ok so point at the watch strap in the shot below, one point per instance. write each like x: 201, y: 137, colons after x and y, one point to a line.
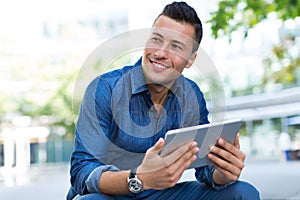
x: 132, y: 173
x: 134, y: 184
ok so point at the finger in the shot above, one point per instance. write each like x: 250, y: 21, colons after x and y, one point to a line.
x: 231, y: 156
x: 156, y: 148
x: 233, y: 165
x: 176, y: 154
x: 158, y: 145
x: 184, y: 161
x: 229, y: 171
x: 188, y: 157
x: 230, y: 149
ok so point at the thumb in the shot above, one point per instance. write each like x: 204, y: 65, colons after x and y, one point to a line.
x: 236, y: 141
x: 158, y: 146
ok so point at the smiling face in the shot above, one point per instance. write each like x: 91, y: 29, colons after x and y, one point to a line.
x: 168, y: 51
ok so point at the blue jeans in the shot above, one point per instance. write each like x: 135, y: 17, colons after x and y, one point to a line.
x: 189, y: 190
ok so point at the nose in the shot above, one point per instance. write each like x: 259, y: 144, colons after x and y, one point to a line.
x: 161, y: 52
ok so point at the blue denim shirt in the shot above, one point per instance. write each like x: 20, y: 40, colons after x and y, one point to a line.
x: 118, y: 123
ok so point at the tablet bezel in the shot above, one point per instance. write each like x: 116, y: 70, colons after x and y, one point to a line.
x: 205, y: 135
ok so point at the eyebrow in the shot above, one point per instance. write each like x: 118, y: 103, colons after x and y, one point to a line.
x: 174, y: 41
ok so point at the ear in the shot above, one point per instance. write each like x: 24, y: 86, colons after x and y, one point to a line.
x: 191, y: 60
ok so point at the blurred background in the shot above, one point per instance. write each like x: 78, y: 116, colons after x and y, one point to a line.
x: 254, y: 44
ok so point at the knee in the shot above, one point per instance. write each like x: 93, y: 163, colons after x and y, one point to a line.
x: 245, y: 191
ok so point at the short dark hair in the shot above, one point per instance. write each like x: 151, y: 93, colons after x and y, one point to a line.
x: 182, y: 12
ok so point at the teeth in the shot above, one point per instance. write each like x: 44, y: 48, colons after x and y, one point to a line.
x: 160, y: 66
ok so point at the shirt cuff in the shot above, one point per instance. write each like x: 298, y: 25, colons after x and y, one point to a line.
x: 92, y: 182
x: 205, y: 175
x: 216, y: 186
x: 213, y: 184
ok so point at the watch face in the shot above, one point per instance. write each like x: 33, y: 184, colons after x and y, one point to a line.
x: 135, y: 185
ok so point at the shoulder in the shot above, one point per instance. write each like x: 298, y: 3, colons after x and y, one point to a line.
x: 190, y: 84
x: 109, y: 79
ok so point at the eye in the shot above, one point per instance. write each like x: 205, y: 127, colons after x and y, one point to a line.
x: 176, y: 46
x: 156, y: 39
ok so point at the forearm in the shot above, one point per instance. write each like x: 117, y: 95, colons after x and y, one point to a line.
x: 114, y: 183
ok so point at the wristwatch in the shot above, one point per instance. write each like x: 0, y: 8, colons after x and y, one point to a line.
x: 135, y: 185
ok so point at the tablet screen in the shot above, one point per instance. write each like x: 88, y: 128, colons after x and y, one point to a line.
x: 205, y: 135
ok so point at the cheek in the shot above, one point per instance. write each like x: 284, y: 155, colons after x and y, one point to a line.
x: 180, y: 63
x: 149, y: 50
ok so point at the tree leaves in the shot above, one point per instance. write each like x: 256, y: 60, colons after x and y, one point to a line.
x: 245, y: 14
x: 283, y: 66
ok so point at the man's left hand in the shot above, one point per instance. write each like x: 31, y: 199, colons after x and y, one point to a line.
x: 228, y: 161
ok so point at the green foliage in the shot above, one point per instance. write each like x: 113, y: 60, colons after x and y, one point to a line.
x: 243, y: 131
x: 60, y: 104
x: 41, y: 90
x: 287, y: 71
x: 245, y: 14
x: 282, y: 66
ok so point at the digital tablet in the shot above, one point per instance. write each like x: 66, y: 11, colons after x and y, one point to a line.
x: 205, y: 135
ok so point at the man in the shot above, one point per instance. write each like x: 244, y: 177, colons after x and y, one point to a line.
x: 285, y: 144
x: 126, y: 113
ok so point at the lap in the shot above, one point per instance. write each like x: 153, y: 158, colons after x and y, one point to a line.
x: 196, y: 190
x: 99, y: 196
x: 188, y: 190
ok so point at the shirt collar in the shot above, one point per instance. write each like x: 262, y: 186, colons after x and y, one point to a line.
x: 138, y: 79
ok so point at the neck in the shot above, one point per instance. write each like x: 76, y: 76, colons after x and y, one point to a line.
x: 159, y: 95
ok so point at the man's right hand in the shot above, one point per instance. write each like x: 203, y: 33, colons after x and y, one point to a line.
x: 158, y: 172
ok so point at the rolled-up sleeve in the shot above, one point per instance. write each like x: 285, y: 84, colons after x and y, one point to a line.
x: 205, y: 175
x: 86, y: 170
x: 92, y: 181
x: 91, y: 140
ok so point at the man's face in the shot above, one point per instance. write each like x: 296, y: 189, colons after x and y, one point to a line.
x: 168, y: 51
